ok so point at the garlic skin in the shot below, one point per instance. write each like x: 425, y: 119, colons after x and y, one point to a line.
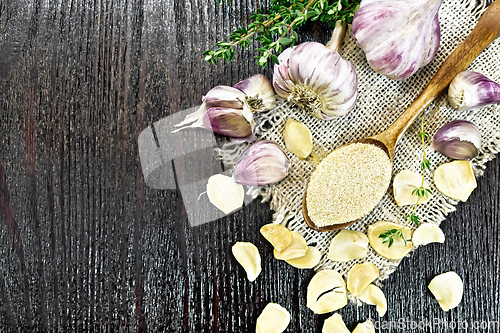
x: 458, y: 139
x: 398, y: 37
x: 261, y: 163
x: 471, y: 90
x: 317, y: 79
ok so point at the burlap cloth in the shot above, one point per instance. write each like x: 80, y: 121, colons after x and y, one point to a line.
x: 380, y: 102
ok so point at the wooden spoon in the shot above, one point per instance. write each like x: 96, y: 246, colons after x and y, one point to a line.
x: 485, y: 32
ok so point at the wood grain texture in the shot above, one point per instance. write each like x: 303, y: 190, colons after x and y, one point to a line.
x: 86, y: 246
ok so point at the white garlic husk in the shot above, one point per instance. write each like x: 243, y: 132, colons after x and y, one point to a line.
x: 316, y: 78
x: 471, y: 90
x: 397, y: 37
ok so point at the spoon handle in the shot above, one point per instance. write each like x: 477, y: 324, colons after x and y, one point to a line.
x: 485, y: 32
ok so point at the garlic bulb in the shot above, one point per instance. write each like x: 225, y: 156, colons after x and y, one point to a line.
x: 317, y: 79
x: 397, y: 36
x: 471, y: 90
x: 458, y: 139
x: 261, y: 163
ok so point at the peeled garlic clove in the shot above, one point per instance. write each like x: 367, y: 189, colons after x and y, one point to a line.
x: 455, y: 179
x: 334, y: 324
x: 326, y: 292
x: 348, y: 245
x: 273, y: 319
x: 225, y: 121
x: 398, y: 249
x: 261, y: 163
x: 458, y: 139
x: 448, y: 289
x: 427, y: 233
x: 471, y: 90
x: 260, y: 95
x: 360, y: 276
x: 224, y: 194
x: 248, y: 256
x: 297, y: 249
x: 276, y: 234
x: 366, y: 327
x: 311, y: 259
x: 398, y: 37
x: 298, y: 138
x: 404, y: 184
x: 373, y: 295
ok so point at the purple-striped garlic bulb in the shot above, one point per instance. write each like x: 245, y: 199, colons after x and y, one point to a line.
x: 471, y: 90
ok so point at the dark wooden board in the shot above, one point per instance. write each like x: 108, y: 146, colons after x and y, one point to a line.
x: 86, y: 246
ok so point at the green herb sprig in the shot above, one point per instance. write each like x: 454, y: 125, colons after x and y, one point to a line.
x: 277, y: 27
x: 421, y: 192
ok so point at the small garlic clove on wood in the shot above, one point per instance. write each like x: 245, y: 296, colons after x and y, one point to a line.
x: 326, y: 292
x: 311, y: 259
x: 405, y: 182
x: 297, y: 249
x: 334, y: 324
x: 224, y: 193
x: 248, y: 256
x: 398, y: 249
x: 471, y: 90
x: 373, y: 295
x: 298, y: 138
x: 366, y: 327
x: 360, y: 276
x: 279, y: 236
x: 348, y: 245
x: 455, y: 179
x: 427, y: 233
x: 448, y: 289
x: 273, y: 319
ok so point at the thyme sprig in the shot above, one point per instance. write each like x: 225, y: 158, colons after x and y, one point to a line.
x: 421, y: 192
x: 277, y: 28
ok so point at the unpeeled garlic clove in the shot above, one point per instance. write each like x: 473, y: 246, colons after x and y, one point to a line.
x: 248, y: 256
x: 309, y: 260
x: 276, y: 234
x: 224, y: 193
x: 273, y: 319
x: 360, y: 276
x: 448, y: 289
x: 366, y: 327
x: 226, y: 121
x: 348, y: 245
x: 326, y: 292
x: 455, y: 179
x: 398, y: 249
x: 259, y: 91
x: 373, y: 295
x: 427, y: 233
x: 405, y: 182
x: 334, y: 324
x: 297, y: 249
x: 458, y: 139
x: 261, y: 163
x: 471, y: 90
x: 298, y: 138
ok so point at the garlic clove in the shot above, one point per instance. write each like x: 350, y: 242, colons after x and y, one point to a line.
x: 224, y: 96
x: 398, y: 249
x: 360, y: 276
x: 224, y: 194
x: 458, y: 139
x: 326, y: 292
x: 226, y: 121
x: 348, y: 245
x: 405, y: 182
x: 427, y: 233
x: 455, y: 179
x: 298, y: 138
x: 273, y: 319
x: 373, y: 295
x: 297, y: 249
x: 276, y: 234
x: 366, y: 327
x: 259, y: 93
x: 471, y: 90
x: 448, y: 289
x: 309, y: 260
x: 261, y: 163
x: 248, y: 256
x: 334, y: 324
